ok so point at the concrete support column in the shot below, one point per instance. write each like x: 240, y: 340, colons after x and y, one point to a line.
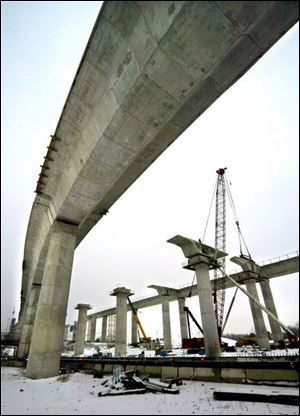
x: 134, y: 329
x: 258, y: 319
x: 81, y: 327
x: 208, y: 318
x: 200, y: 258
x: 28, y: 322
x: 91, y: 336
x: 49, y: 325
x: 270, y: 305
x: 182, y: 318
x: 74, y: 330
x: 104, y: 329
x: 66, y: 333
x: 166, y: 322
x: 121, y: 320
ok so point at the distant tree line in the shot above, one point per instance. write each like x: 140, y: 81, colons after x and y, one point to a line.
x: 293, y: 328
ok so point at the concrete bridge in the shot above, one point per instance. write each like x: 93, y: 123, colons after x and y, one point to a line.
x: 268, y: 271
x: 148, y: 71
x: 281, y: 267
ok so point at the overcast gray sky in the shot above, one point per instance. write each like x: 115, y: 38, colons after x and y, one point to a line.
x: 252, y: 129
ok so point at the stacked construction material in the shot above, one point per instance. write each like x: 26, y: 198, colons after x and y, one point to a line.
x: 128, y: 382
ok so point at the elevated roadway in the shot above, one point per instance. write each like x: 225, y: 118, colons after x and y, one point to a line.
x: 268, y: 271
x: 148, y: 71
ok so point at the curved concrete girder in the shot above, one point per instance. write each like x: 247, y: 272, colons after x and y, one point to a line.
x: 40, y: 222
x: 123, y: 101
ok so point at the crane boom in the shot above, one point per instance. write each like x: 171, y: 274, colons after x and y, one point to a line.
x: 220, y: 244
x: 145, y: 338
x: 186, y: 309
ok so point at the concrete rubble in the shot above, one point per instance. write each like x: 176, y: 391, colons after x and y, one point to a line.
x: 128, y: 382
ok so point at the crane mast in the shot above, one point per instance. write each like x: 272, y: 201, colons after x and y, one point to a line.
x: 220, y: 244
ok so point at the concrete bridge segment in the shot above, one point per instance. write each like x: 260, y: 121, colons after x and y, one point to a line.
x: 148, y: 71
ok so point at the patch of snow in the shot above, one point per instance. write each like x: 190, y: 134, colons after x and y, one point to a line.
x: 77, y: 394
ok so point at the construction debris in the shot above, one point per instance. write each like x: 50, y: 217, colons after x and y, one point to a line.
x: 128, y: 382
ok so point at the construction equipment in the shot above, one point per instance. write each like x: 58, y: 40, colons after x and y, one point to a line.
x: 192, y: 343
x: 220, y: 244
x: 221, y: 189
x: 250, y: 340
x: 143, y: 339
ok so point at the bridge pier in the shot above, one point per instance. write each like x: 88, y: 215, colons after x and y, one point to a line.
x: 91, y: 336
x: 269, y: 303
x: 48, y: 332
x: 104, y: 329
x: 182, y: 318
x: 28, y: 322
x: 252, y: 269
x: 166, y: 322
x: 81, y: 327
x: 200, y: 258
x: 121, y: 320
x: 164, y: 293
x: 134, y: 329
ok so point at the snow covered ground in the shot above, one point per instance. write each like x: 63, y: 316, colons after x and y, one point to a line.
x: 78, y: 395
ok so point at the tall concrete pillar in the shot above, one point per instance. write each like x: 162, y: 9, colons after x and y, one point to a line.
x: 121, y: 320
x: 28, y: 321
x: 134, y: 329
x: 252, y: 270
x: 91, y: 323
x: 166, y: 322
x: 164, y: 293
x: 270, y: 305
x: 74, y: 330
x: 104, y: 329
x: 182, y: 318
x: 208, y: 318
x: 49, y: 325
x: 81, y: 327
x: 200, y: 258
x: 258, y: 319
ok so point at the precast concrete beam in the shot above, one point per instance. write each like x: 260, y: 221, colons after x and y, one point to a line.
x: 276, y: 269
x: 81, y: 327
x: 121, y: 294
x: 49, y: 325
x: 149, y: 70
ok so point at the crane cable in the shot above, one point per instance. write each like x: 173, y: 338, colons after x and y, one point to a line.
x: 212, y: 199
x: 190, y: 294
x: 236, y: 219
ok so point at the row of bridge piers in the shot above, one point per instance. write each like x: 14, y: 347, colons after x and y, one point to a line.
x: 43, y: 329
x: 201, y: 263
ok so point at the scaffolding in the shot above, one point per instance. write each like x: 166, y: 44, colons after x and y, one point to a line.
x: 111, y: 329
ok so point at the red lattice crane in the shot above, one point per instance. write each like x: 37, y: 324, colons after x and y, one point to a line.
x: 220, y: 244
